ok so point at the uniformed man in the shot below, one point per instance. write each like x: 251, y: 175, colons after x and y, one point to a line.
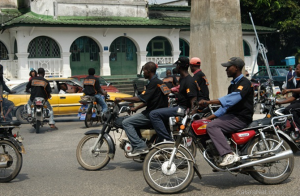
x: 200, y: 78
x: 235, y: 113
x: 40, y: 87
x: 188, y: 93
x: 92, y: 87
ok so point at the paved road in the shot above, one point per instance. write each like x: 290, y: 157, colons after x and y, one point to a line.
x: 50, y: 168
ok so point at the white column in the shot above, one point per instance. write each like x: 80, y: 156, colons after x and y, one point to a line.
x: 142, y: 60
x: 175, y: 54
x: 104, y: 63
x: 11, y: 57
x: 23, y: 65
x: 67, y: 72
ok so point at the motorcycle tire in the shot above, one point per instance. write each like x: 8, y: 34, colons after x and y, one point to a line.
x: 92, y: 160
x: 21, y: 115
x: 173, y: 180
x: 271, y: 168
x: 37, y: 126
x: 88, y: 121
x: 15, y: 163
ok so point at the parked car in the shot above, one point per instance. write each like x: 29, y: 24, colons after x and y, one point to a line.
x: 10, y: 83
x: 278, y: 75
x: 140, y: 82
x: 63, y: 104
x: 104, y: 84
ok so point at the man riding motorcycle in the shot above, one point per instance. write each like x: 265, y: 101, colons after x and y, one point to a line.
x: 188, y: 93
x: 92, y: 87
x: 40, y: 87
x: 153, y: 97
x: 235, y: 113
x: 294, y: 100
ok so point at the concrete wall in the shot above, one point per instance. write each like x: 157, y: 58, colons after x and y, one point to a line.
x: 8, y: 4
x: 178, y: 3
x: 216, y: 35
x: 132, y: 8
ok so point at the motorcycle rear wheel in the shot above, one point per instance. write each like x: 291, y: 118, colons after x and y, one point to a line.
x: 88, y: 121
x: 15, y: 162
x: 167, y: 181
x: 37, y: 126
x: 273, y: 174
x: 92, y: 160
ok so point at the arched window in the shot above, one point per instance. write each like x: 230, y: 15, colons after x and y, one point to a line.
x: 246, y: 49
x: 159, y: 46
x: 43, y: 47
x: 184, y: 48
x: 3, y: 52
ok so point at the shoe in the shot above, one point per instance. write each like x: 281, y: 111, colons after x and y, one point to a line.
x: 137, y: 152
x: 229, y: 159
x: 52, y: 126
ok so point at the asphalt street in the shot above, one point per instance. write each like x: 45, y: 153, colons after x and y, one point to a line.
x: 50, y: 168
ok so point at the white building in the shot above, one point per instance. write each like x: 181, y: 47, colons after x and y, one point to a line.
x: 66, y: 37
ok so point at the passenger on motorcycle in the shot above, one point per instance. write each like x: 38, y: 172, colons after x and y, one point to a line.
x: 187, y: 94
x: 235, y: 113
x: 40, y: 87
x: 294, y: 100
x: 200, y: 77
x: 170, y: 80
x: 92, y: 87
x: 154, y: 98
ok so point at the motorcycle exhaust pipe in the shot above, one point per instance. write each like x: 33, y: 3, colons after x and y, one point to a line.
x: 282, y: 155
x: 3, y: 164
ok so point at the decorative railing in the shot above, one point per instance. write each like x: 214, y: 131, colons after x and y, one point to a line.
x: 10, y: 68
x: 160, y: 59
x: 53, y: 66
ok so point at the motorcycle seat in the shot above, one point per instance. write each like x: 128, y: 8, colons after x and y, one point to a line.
x: 260, y: 123
x: 10, y: 123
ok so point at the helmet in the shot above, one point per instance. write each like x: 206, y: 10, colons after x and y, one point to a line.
x: 183, y: 62
x: 195, y: 61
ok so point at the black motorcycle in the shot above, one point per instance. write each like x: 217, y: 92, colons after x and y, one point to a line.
x: 11, y: 150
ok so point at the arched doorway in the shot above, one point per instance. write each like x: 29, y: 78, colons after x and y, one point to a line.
x: 3, y: 52
x: 84, y: 55
x: 123, y: 58
x: 184, y: 48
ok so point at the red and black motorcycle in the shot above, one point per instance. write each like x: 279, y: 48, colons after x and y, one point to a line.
x: 265, y: 154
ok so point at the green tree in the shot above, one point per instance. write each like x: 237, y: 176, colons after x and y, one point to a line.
x: 283, y: 15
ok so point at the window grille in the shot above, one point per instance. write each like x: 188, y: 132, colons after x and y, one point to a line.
x: 3, y: 52
x: 43, y: 47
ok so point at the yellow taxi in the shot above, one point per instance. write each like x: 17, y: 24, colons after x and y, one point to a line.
x: 63, y: 104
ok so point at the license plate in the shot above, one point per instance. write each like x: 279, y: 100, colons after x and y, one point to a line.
x: 94, y: 115
x: 189, y: 141
x: 82, y: 116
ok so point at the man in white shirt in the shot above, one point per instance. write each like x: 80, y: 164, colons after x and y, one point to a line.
x: 63, y: 88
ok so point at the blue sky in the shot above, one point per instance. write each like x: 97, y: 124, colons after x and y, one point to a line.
x: 158, y: 1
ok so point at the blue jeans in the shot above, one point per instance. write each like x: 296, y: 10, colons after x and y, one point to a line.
x: 129, y: 125
x: 101, y: 101
x: 158, y: 117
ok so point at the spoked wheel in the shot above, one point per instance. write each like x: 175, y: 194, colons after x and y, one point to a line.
x: 10, y: 161
x: 189, y: 144
x: 88, y: 121
x: 92, y: 160
x: 37, y: 126
x: 274, y: 172
x: 164, y: 179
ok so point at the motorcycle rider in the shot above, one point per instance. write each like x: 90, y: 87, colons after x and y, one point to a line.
x: 200, y: 77
x: 170, y: 80
x: 235, y: 113
x: 188, y: 93
x: 154, y: 98
x: 40, y: 87
x: 92, y: 87
x: 295, y: 103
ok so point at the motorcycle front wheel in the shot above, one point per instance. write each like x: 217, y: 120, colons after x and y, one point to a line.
x: 92, y: 160
x: 12, y: 159
x: 274, y: 172
x: 162, y: 179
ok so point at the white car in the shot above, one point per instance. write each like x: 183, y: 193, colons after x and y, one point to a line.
x: 10, y: 83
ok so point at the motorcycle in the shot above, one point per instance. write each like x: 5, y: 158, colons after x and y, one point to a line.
x: 264, y: 151
x: 96, y: 148
x: 11, y: 150
x: 90, y: 110
x: 39, y: 112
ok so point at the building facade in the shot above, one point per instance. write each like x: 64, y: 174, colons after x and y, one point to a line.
x: 66, y: 37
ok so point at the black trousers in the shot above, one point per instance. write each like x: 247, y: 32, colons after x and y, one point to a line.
x: 294, y: 109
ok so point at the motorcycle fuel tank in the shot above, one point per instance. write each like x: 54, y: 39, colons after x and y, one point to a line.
x: 243, y: 137
x: 199, y: 126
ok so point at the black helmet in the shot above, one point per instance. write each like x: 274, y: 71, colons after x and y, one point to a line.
x: 183, y: 62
